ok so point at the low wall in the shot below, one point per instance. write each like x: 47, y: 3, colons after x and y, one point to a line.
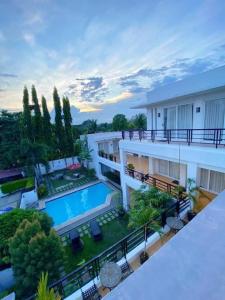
x: 58, y: 164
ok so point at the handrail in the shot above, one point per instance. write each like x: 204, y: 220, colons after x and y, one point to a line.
x: 107, y: 156
x: 213, y: 136
x: 156, y: 182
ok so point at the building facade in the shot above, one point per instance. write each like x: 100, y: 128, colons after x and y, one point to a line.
x: 184, y: 142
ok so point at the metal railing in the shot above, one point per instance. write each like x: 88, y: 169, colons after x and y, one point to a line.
x: 111, y: 157
x: 160, y: 184
x: 91, y: 270
x: 210, y: 136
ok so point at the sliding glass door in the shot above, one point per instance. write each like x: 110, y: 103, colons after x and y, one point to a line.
x: 214, y: 116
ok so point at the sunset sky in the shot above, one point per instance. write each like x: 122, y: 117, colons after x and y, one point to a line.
x: 105, y: 55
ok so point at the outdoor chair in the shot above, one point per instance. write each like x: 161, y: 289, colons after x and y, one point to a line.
x: 91, y: 293
x: 76, y: 242
x: 126, y: 270
x: 95, y: 229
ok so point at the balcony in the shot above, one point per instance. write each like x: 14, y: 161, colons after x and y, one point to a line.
x: 214, y: 137
x: 160, y: 182
x: 112, y: 156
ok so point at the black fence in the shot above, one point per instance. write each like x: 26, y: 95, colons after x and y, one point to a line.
x: 171, y: 188
x: 212, y: 136
x: 90, y: 270
x: 111, y: 157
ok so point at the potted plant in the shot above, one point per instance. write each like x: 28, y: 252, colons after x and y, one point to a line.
x: 121, y: 211
x: 101, y: 153
x: 144, y: 213
x: 131, y: 168
x: 193, y: 192
x: 111, y: 157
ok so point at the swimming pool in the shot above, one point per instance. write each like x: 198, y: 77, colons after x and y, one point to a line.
x: 74, y: 204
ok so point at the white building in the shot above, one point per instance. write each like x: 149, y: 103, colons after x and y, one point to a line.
x: 185, y: 138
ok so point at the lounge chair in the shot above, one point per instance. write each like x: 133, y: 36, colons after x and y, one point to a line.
x: 76, y: 242
x: 95, y: 230
x: 91, y: 293
x: 126, y: 270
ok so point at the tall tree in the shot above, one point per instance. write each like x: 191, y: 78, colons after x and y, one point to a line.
x: 119, y: 122
x: 9, y: 139
x: 68, y: 127
x: 59, y: 129
x: 139, y: 121
x: 37, y: 116
x: 47, y: 128
x: 27, y: 122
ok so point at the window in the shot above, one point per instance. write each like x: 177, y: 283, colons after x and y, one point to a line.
x: 168, y: 168
x: 212, y: 181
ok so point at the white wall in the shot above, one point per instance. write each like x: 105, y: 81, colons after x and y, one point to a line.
x: 58, y: 164
x: 197, y: 101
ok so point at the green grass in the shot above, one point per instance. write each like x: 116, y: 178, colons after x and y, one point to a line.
x: 113, y: 231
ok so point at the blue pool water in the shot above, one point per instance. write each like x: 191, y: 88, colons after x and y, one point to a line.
x: 74, y: 204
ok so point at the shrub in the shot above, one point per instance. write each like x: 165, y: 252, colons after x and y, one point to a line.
x: 9, y: 223
x: 34, y: 251
x: 43, y: 292
x: 42, y: 191
x: 12, y: 186
x: 130, y: 166
x: 91, y: 172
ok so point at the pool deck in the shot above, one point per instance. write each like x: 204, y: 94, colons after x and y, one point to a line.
x: 83, y: 218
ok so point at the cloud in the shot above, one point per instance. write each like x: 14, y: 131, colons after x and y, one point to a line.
x: 8, y: 75
x: 29, y: 38
x: 34, y: 18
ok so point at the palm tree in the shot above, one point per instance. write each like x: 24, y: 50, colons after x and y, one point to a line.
x: 43, y: 292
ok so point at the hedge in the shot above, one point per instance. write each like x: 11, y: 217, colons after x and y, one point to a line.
x: 12, y: 186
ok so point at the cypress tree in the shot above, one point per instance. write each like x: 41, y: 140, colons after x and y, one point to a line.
x: 37, y: 116
x: 27, y: 123
x: 47, y: 129
x: 68, y: 127
x: 59, y: 129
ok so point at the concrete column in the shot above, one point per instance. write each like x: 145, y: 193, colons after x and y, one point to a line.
x: 198, y: 114
x: 192, y: 171
x: 149, y: 118
x: 123, y: 162
x: 151, y: 165
x: 110, y: 147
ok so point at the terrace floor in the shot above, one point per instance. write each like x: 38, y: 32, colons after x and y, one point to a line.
x: 151, y: 250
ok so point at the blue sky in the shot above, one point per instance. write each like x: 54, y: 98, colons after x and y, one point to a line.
x: 105, y: 55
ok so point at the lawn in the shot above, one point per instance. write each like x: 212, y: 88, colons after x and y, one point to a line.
x: 112, y: 233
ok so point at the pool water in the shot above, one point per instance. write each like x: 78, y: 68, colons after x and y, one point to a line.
x: 74, y: 204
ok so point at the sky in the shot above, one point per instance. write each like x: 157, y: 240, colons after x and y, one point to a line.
x: 105, y: 55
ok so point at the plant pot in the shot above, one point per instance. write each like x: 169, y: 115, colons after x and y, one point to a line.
x: 143, y: 257
x: 191, y: 214
x: 121, y: 213
x: 131, y: 173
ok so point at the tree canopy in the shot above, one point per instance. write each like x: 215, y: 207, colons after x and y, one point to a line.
x: 34, y: 251
x: 119, y: 122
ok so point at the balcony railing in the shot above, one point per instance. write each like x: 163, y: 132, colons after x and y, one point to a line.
x: 163, y: 186
x: 211, y: 136
x: 90, y: 270
x: 111, y: 157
